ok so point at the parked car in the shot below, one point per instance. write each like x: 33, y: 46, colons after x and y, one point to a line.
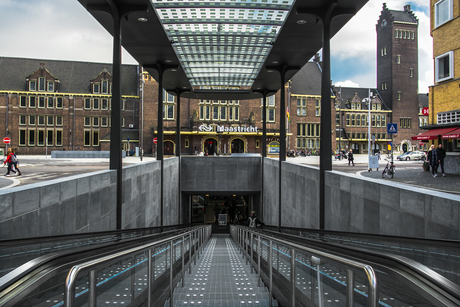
x: 412, y: 155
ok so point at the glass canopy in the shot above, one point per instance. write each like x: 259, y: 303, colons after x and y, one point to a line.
x: 223, y: 42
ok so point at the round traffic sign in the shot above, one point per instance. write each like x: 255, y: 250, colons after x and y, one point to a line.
x: 426, y: 111
x: 6, y: 140
x: 155, y: 140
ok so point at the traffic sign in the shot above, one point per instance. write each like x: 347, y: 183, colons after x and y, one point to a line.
x: 6, y: 140
x: 392, y: 128
x: 426, y: 111
x: 155, y: 140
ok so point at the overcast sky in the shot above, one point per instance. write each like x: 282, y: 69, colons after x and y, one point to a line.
x: 64, y: 30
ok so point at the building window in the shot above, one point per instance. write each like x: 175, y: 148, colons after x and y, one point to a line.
x: 31, y: 137
x: 87, y: 121
x: 50, y: 102
x: 41, y: 102
x: 223, y: 113
x: 399, y: 95
x: 41, y: 120
x: 448, y: 117
x: 215, y: 113
x: 411, y: 72
x: 50, y: 121
x: 353, y: 119
x: 443, y: 12
x: 95, y: 138
x: 59, y: 103
x: 105, y: 104
x: 318, y: 107
x: 87, y: 138
x: 104, y: 122
x: 358, y: 119
x: 398, y: 59
x: 41, y: 84
x: 87, y: 103
x: 32, y: 102
x: 405, y: 122
x: 58, y: 137
x: 51, y: 86
x: 96, y: 103
x: 41, y: 138
x: 384, y: 120
x: 348, y: 119
x: 169, y: 114
x: 23, y: 102
x: 96, y: 88
x: 95, y: 122
x: 50, y: 137
x: 270, y: 115
x: 32, y: 120
x: 105, y: 86
x: 22, y: 137
x: 32, y: 85
x: 58, y: 120
x: 444, y: 66
x: 301, y: 106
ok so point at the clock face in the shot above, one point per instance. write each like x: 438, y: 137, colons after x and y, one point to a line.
x: 384, y: 23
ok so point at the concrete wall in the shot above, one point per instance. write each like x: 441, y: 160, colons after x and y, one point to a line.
x: 82, y: 203
x: 300, y: 190
x: 451, y: 163
x: 358, y: 204
x: 82, y: 154
x: 220, y: 174
x: 368, y: 205
x: 87, y: 202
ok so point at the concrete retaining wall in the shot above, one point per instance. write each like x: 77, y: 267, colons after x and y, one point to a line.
x: 87, y: 202
x: 451, y: 164
x: 82, y: 154
x: 358, y: 204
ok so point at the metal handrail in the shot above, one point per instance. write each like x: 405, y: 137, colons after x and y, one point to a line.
x: 242, y: 235
x: 69, y: 295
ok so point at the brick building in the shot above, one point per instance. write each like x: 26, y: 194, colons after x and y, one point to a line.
x: 63, y: 105
x: 444, y: 102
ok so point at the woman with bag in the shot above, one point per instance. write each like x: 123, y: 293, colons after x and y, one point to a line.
x: 10, y: 159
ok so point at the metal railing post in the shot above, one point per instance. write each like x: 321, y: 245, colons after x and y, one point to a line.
x: 258, y: 260
x: 270, y: 272
x: 293, y: 277
x: 171, y: 277
x: 190, y: 253
x: 149, y: 278
x: 350, y: 288
x: 183, y: 260
x: 316, y: 261
x: 373, y: 298
x: 194, y: 246
x: 92, y: 289
x: 252, y: 252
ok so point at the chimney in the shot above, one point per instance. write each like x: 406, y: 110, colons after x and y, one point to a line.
x: 407, y: 8
x: 42, y: 65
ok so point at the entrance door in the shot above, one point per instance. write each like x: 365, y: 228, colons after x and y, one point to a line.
x: 237, y: 146
x: 404, y: 147
x: 210, y: 147
x: 355, y: 148
x: 168, y: 148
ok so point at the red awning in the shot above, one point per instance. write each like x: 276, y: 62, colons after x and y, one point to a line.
x: 452, y: 135
x: 433, y: 134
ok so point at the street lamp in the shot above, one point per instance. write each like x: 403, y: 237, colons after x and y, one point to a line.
x: 368, y: 100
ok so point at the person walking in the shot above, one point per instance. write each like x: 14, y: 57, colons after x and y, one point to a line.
x: 10, y: 159
x: 253, y: 221
x: 441, y: 155
x: 350, y: 158
x: 433, y: 160
x: 16, y: 164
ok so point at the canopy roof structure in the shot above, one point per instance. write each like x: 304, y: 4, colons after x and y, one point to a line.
x: 222, y: 48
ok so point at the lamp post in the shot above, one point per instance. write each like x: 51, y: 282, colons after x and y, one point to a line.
x: 368, y: 128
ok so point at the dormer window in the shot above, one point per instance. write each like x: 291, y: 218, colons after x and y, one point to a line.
x: 105, y: 86
x: 51, y: 86
x: 41, y: 84
x: 96, y: 88
x: 32, y: 85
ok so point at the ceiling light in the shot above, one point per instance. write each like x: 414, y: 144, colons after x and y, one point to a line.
x: 301, y: 22
x: 168, y: 61
x: 142, y: 19
x: 275, y: 62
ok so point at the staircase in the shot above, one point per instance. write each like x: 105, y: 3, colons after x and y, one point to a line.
x: 221, y: 278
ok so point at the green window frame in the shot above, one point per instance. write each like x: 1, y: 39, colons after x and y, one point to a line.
x: 22, y: 137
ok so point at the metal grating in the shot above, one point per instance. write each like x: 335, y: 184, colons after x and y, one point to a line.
x: 225, y: 42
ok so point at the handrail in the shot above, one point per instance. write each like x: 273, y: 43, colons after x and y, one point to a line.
x: 72, y: 276
x: 367, y: 269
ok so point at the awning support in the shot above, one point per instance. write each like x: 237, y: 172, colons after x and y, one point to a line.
x: 117, y: 12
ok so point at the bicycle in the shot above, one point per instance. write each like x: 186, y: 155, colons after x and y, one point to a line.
x: 389, y: 170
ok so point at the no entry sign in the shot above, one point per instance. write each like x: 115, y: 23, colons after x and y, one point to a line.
x: 6, y: 140
x: 155, y: 140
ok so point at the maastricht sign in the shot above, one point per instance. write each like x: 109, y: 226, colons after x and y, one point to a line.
x: 209, y: 128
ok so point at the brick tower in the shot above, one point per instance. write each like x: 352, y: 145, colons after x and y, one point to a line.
x: 397, y: 71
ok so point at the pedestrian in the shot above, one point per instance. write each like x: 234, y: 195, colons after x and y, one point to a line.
x: 350, y: 158
x: 378, y: 154
x: 216, y: 213
x: 253, y: 221
x: 441, y: 155
x: 10, y: 159
x: 16, y: 164
x: 433, y: 160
